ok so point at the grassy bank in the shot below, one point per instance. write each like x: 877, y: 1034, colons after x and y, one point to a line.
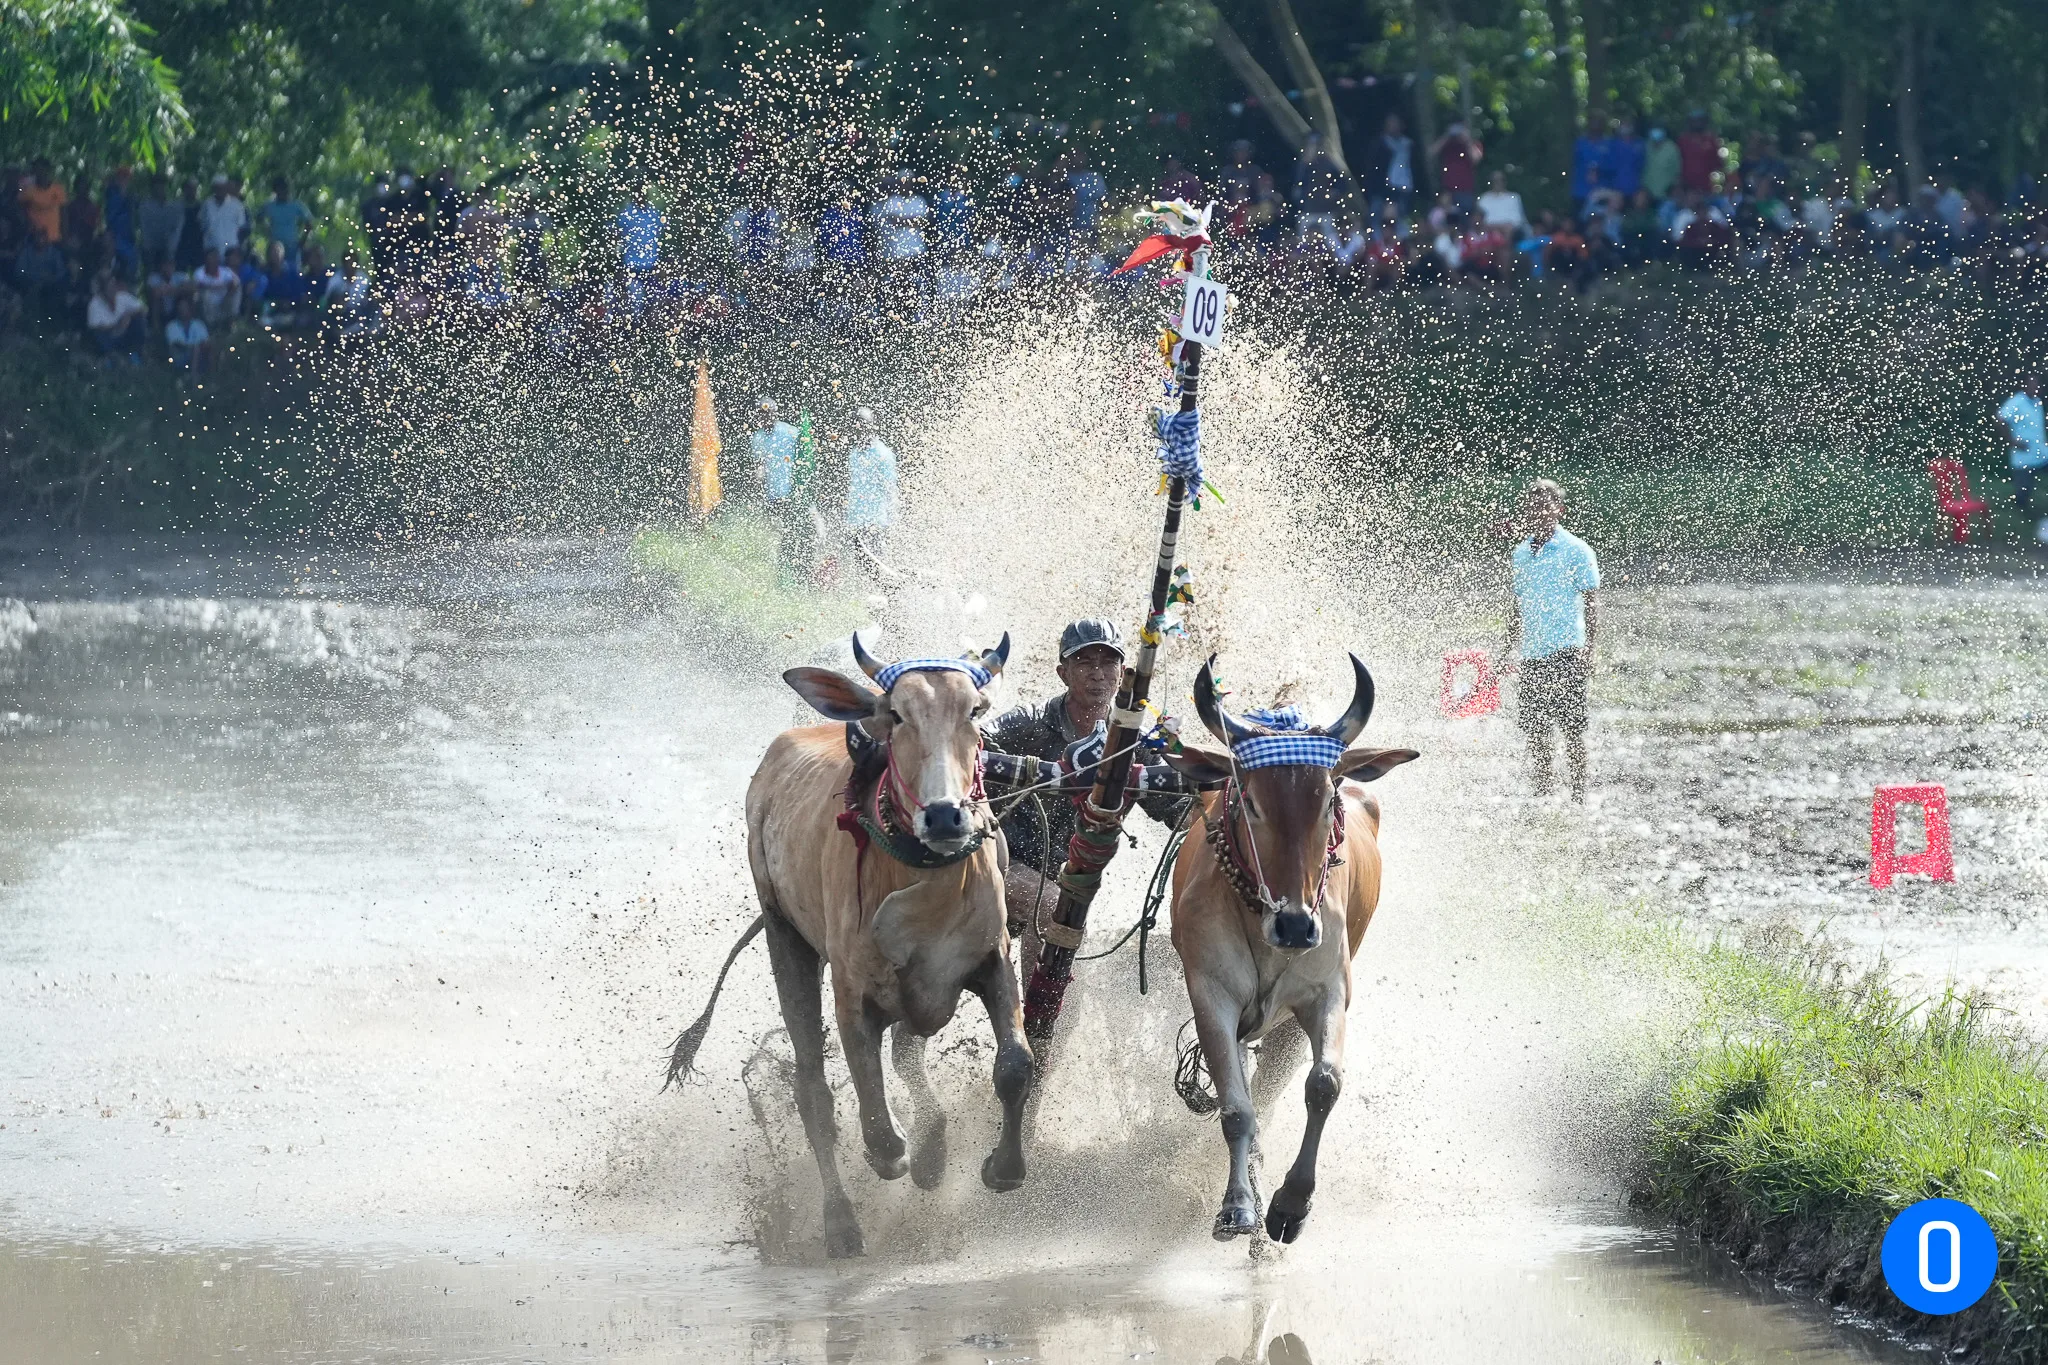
x: 1819, y: 1104
x: 726, y: 579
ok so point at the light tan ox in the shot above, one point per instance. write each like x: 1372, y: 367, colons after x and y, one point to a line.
x: 902, y: 941
x: 1266, y: 932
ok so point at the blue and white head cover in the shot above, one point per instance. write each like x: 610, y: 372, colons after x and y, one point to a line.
x: 889, y: 673
x: 1294, y: 745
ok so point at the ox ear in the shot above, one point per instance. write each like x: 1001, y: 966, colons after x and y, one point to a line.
x: 1208, y: 767
x: 1368, y: 765
x: 832, y: 694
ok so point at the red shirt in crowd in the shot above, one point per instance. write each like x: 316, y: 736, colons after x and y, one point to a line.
x: 1457, y: 164
x: 1699, y: 157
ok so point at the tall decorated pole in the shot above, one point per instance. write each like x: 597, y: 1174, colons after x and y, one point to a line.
x: 1181, y: 234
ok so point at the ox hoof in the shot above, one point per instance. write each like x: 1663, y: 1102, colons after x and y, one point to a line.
x: 1238, y: 1219
x: 1285, y: 1217
x: 928, y: 1161
x: 887, y: 1166
x: 1000, y: 1175
x: 842, y: 1232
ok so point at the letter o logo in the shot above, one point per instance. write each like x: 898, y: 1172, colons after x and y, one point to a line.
x: 1939, y: 1256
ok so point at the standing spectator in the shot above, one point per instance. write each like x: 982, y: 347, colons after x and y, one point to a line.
x: 843, y: 232
x: 157, y: 222
x: 115, y: 319
x: 1700, y: 157
x: 223, y: 219
x: 186, y: 338
x: 1089, y: 191
x: 773, y: 445
x: 412, y: 226
x: 1264, y: 218
x: 191, y: 252
x: 44, y: 274
x: 1392, y: 172
x: 285, y: 220
x: 444, y: 237
x: 1590, y: 151
x: 82, y: 224
x: 1320, y: 190
x: 1236, y: 185
x: 530, y: 226
x: 2027, y: 435
x: 42, y: 199
x: 117, y: 214
x: 218, y: 290
x: 1500, y: 207
x: 640, y: 225
x: 1661, y: 165
x: 1624, y: 159
x: 1553, y: 621
x: 953, y: 208
x: 380, y: 224
x: 1178, y: 182
x: 1458, y: 155
x: 870, y: 488
x: 899, y: 236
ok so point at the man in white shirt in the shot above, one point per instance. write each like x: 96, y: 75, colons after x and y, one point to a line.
x: 1500, y: 207
x: 223, y: 218
x: 899, y: 222
x: 219, y: 290
x: 2027, y: 430
x: 114, y: 317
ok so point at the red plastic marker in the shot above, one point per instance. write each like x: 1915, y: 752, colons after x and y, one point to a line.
x: 1937, y: 860
x: 1483, y: 699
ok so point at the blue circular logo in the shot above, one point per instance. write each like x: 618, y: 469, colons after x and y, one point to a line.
x: 1939, y: 1256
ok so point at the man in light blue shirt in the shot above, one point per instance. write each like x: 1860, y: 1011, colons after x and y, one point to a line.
x: 773, y: 444
x: 870, y: 488
x: 1552, y: 621
x: 2025, y: 428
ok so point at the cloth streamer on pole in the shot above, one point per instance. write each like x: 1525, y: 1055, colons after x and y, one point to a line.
x: 704, y: 493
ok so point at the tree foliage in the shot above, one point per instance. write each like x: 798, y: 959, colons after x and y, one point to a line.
x: 77, y: 81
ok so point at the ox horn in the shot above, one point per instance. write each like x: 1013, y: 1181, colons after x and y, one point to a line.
x: 1352, y: 723
x: 994, y: 659
x: 1209, y: 707
x: 867, y: 662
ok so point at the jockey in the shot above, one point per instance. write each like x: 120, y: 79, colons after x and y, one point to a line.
x: 1091, y: 665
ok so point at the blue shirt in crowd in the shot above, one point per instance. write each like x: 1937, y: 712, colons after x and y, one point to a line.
x: 844, y: 235
x: 871, y: 485
x: 640, y: 227
x: 1550, y: 588
x: 2030, y: 433
x: 775, y: 451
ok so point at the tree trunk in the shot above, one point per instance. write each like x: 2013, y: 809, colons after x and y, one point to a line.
x: 1315, y: 96
x: 1853, y: 116
x: 1593, y: 17
x: 1290, y: 124
x: 1912, y: 162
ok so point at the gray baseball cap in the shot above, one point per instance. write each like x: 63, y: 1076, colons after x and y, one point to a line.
x: 1091, y: 630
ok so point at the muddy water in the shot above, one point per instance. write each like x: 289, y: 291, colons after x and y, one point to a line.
x: 347, y: 905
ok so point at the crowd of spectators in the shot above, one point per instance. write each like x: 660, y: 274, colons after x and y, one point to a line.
x: 138, y: 270
x: 1696, y: 199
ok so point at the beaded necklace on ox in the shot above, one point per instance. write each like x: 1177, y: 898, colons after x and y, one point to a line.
x: 1249, y: 884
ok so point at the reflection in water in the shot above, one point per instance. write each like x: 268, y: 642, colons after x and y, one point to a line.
x: 1624, y: 1297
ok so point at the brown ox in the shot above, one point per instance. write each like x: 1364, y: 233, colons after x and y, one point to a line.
x: 903, y: 941
x: 1268, y: 911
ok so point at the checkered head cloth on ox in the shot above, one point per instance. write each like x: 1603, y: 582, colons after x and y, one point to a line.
x: 1294, y: 744
x: 889, y: 673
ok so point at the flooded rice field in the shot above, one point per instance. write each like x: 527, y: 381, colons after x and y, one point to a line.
x: 347, y: 907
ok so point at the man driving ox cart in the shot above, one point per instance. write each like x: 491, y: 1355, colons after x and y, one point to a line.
x: 1091, y: 665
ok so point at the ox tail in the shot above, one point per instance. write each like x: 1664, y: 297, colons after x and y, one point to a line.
x: 684, y: 1054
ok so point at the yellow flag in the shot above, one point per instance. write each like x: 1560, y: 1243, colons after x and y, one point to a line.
x: 704, y: 493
